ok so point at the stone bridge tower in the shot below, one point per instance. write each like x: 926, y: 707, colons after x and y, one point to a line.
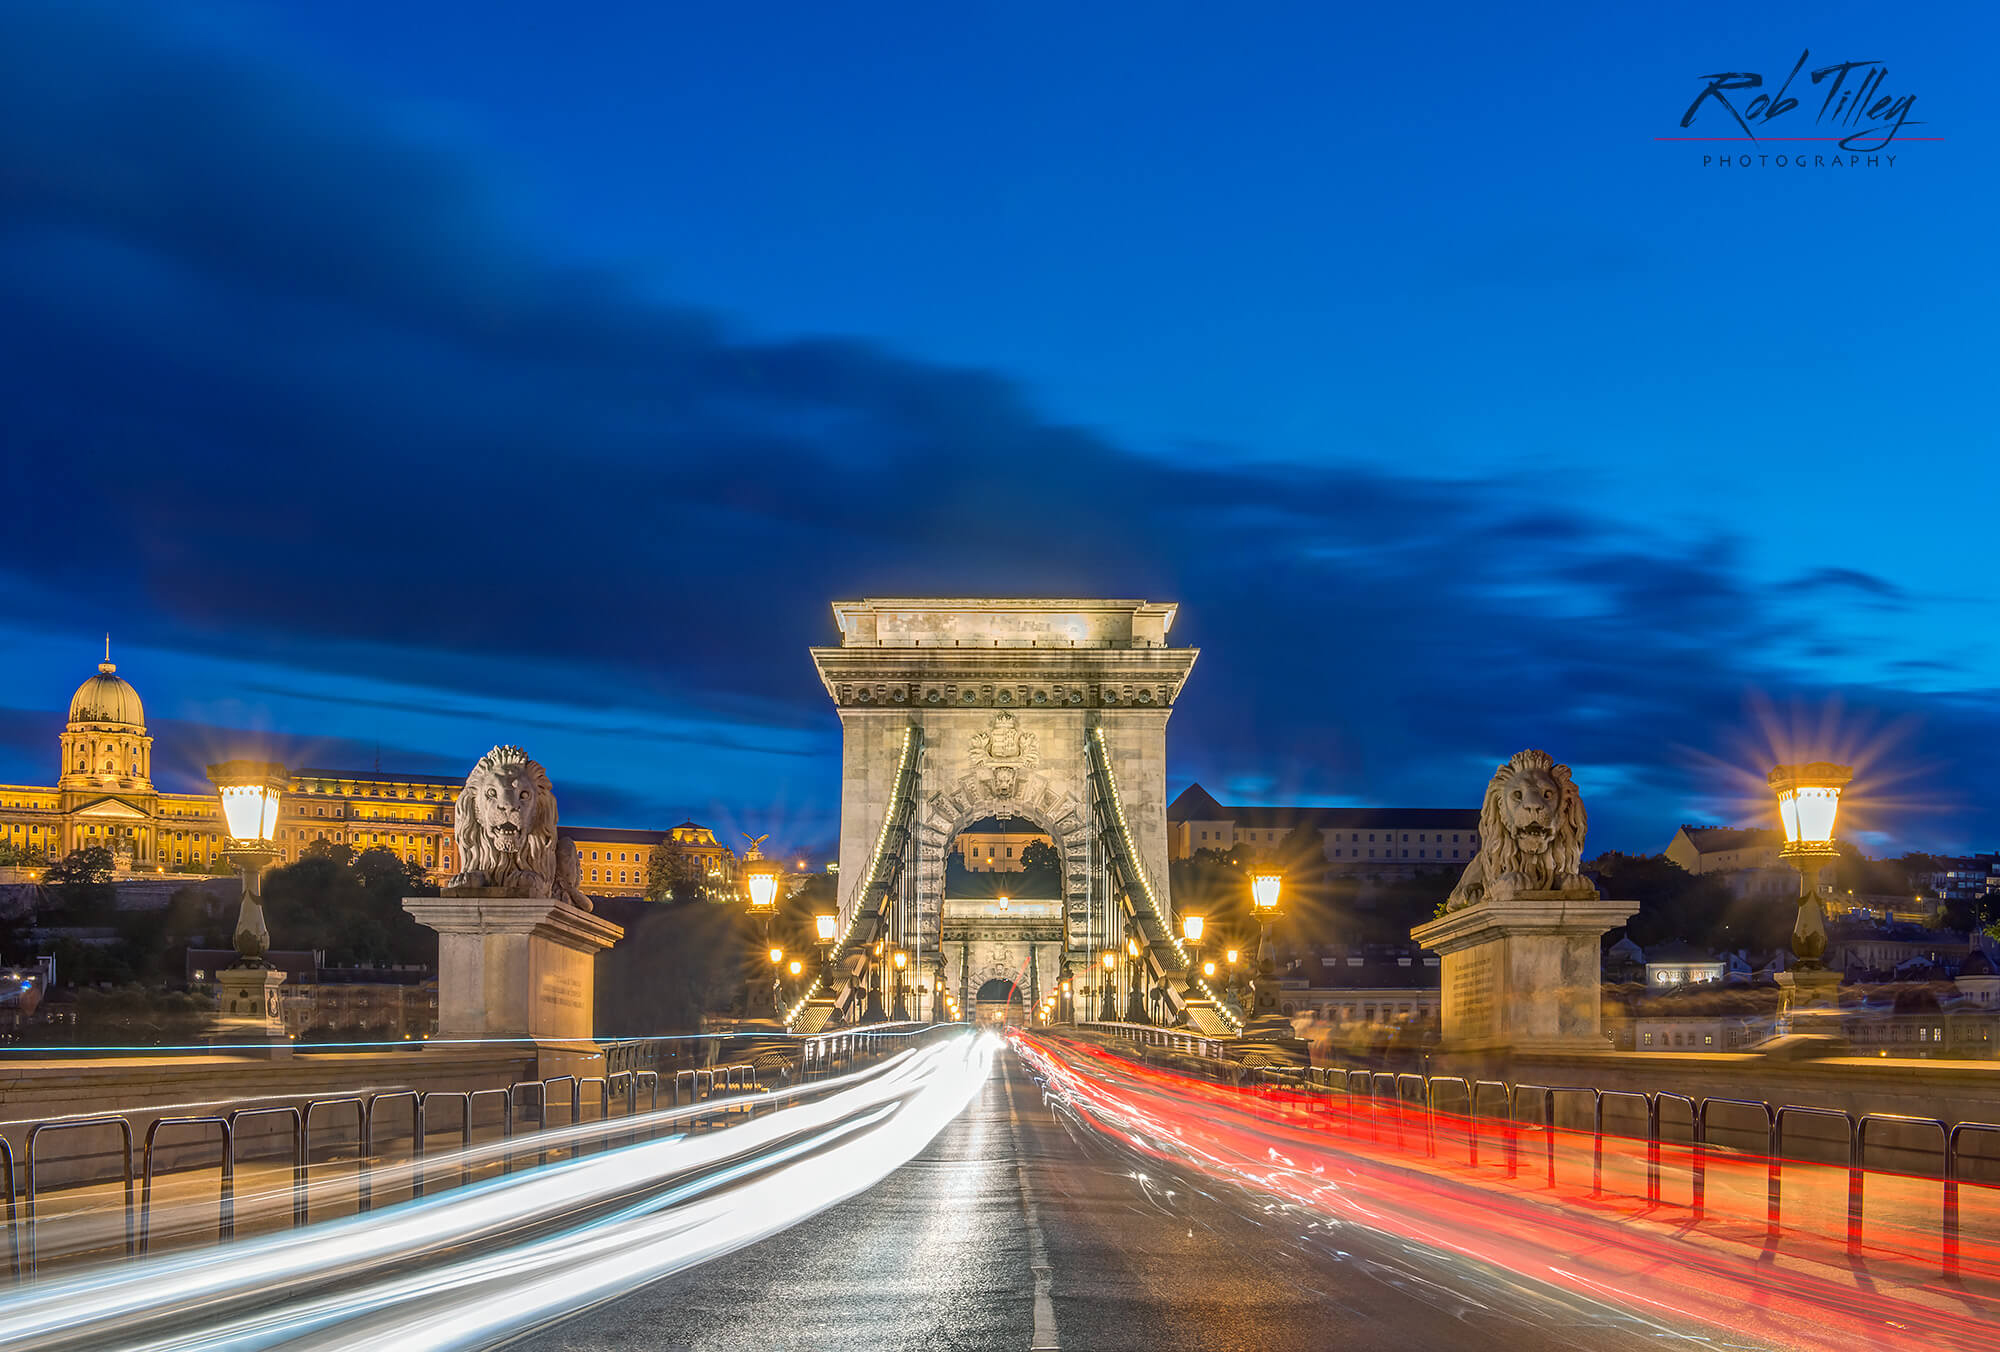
x: 1050, y: 711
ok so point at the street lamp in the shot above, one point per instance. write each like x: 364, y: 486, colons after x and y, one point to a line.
x: 901, y: 1013
x: 1135, y: 1006
x: 760, y: 878
x: 1264, y: 890
x: 1191, y: 927
x: 1808, y: 802
x: 248, y: 790
x: 1109, y: 1013
x: 248, y: 1010
x: 824, y: 925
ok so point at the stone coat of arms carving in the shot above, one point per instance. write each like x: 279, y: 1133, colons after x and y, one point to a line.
x: 1001, y: 753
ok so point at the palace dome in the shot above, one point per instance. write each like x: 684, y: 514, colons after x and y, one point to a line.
x: 107, y: 698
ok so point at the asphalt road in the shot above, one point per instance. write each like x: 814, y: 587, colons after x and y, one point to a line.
x: 945, y: 1255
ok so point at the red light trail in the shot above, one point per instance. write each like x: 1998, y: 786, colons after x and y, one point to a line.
x: 1349, y: 1160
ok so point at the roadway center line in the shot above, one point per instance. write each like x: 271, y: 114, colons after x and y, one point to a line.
x: 1038, y: 1253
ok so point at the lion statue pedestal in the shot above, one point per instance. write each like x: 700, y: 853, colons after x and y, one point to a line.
x: 1519, y: 937
x: 1524, y: 973
x: 517, y: 939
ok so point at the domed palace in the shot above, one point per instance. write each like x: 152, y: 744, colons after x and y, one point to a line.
x: 104, y: 795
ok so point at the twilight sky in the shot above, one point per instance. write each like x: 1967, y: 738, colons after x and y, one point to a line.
x: 421, y: 377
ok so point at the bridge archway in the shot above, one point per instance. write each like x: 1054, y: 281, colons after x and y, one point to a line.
x: 1051, y: 711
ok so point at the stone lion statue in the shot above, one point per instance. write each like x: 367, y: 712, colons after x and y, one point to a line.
x: 1531, y: 827
x: 506, y: 831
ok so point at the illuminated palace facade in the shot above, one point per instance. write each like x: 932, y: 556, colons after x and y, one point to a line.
x: 104, y: 795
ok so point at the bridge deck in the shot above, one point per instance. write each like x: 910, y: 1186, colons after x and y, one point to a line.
x: 942, y: 1255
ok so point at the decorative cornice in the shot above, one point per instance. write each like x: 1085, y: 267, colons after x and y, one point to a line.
x: 1002, y: 678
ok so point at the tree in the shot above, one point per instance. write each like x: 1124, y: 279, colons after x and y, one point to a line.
x: 352, y: 908
x: 88, y: 866
x: 1697, y: 909
x: 80, y: 885
x: 1041, y: 870
x: 675, y: 966
x: 674, y: 873
x: 14, y: 856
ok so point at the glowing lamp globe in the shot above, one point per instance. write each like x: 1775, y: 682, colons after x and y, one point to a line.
x: 1132, y: 948
x: 777, y: 956
x: 760, y: 875
x: 1003, y: 903
x: 1191, y: 926
x: 1110, y: 959
x: 1808, y: 802
x: 249, y: 793
x: 902, y: 959
x: 797, y: 967
x: 1208, y: 969
x: 824, y: 925
x: 1264, y: 889
x: 1234, y: 956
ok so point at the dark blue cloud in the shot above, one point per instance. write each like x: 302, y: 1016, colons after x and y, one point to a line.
x: 298, y: 389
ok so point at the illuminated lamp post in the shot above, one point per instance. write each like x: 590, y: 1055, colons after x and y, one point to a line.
x: 824, y: 925
x: 901, y: 1013
x: 1135, y: 1004
x: 1109, y: 1012
x: 1264, y: 890
x: 1808, y: 802
x: 874, y: 1013
x: 1191, y: 928
x: 248, y: 791
x: 1234, y: 958
x: 760, y: 877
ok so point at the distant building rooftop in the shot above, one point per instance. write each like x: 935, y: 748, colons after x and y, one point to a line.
x: 1197, y: 804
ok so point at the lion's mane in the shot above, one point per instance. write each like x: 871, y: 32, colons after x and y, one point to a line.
x: 1502, y: 864
x: 531, y: 869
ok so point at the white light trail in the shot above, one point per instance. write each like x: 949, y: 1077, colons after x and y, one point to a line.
x: 373, y: 1280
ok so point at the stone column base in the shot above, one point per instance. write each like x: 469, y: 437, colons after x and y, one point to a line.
x: 1524, y: 973
x: 521, y: 969
x: 1809, y: 1002
x: 248, y: 1018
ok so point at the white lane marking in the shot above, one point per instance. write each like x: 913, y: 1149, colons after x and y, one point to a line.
x: 1038, y: 1253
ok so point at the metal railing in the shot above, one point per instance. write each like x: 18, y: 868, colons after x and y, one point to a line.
x: 736, y: 1089
x: 1173, y: 1039
x: 1415, y: 1100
